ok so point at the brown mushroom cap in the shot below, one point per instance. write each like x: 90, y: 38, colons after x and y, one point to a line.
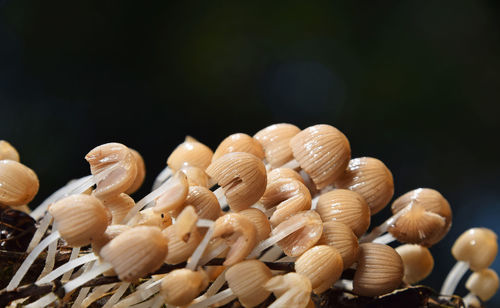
x: 141, y: 172
x: 7, y: 151
x: 341, y: 237
x: 204, y: 202
x: 283, y: 173
x: 323, y: 152
x: 417, y: 260
x: 259, y: 219
x: 181, y: 286
x: 195, y: 176
x: 275, y: 140
x: 477, y: 246
x: 18, y: 183
x: 247, y: 279
x: 371, y: 179
x: 304, y: 238
x: 192, y: 153
x: 239, y: 143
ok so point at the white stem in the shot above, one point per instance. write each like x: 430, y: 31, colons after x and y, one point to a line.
x: 217, y: 284
x: 68, y: 266
x: 453, y: 278
x: 221, y: 197
x: 50, y: 260
x: 117, y: 295
x: 146, y: 304
x: 164, y: 175
x: 314, y: 202
x: 213, y: 253
x: 293, y: 164
x: 204, y: 223
x: 74, y: 254
x: 158, y: 302
x: 97, y: 293
x: 271, y: 255
x: 471, y: 300
x: 81, y: 296
x: 44, y: 301
x: 224, y: 295
x: 40, y: 231
x: 385, y: 239
x: 196, y: 256
x: 377, y: 231
x: 142, y: 293
x: 344, y: 284
x: 23, y: 269
x: 85, y: 277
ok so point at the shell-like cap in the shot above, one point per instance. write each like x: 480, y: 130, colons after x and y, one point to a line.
x: 289, y: 196
x: 417, y: 260
x: 204, y: 202
x: 136, y: 252
x: 478, y: 246
x: 114, y: 167
x: 323, y: 266
x: 483, y: 283
x: 148, y: 217
x: 141, y: 172
x: 283, y: 173
x: 323, y: 152
x: 275, y: 140
x: 178, y: 250
x: 247, y: 279
x: 7, y: 151
x: 304, y: 238
x: 191, y: 153
x: 18, y: 183
x: 242, y: 176
x: 174, y: 196
x: 181, y: 286
x: 371, y: 179
x: 259, y: 219
x: 111, y: 232
x: 119, y: 206
x: 239, y: 143
x: 80, y: 219
x: 341, y: 237
x: 195, y: 176
x: 345, y: 206
x: 291, y: 290
x: 380, y: 270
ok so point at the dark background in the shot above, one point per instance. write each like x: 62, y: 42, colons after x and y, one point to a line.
x: 413, y: 83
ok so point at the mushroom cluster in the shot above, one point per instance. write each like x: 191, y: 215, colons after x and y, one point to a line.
x: 284, y: 212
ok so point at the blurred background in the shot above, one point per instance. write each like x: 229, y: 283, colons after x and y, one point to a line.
x: 415, y: 84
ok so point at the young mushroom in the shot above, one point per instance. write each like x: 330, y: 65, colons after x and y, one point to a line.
x: 7, y: 151
x: 323, y: 152
x: 247, y: 280
x: 340, y: 236
x: 239, y: 143
x: 260, y: 221
x: 181, y: 286
x: 483, y: 284
x: 417, y: 260
x: 380, y: 270
x: 195, y: 176
x: 119, y: 206
x: 204, y: 202
x: 141, y: 172
x: 291, y: 290
x: 18, y: 183
x: 371, y: 179
x: 297, y: 242
x: 476, y: 249
x: 275, y: 141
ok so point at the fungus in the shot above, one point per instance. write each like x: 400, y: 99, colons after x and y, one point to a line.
x: 275, y: 141
x: 417, y: 260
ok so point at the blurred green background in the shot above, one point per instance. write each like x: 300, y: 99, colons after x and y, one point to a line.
x: 413, y: 83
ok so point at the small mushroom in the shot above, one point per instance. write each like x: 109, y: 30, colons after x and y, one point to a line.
x: 149, y: 217
x: 239, y: 143
x: 7, y: 151
x: 181, y: 286
x: 417, y: 260
x: 179, y: 250
x: 18, y: 183
x: 290, y: 290
x: 174, y: 196
x: 190, y: 153
x: 283, y: 173
x: 304, y: 238
x: 275, y: 140
x: 204, y: 202
x: 259, y: 219
x: 111, y: 232
x: 119, y: 205
x: 141, y: 172
x: 483, y: 283
x: 195, y: 176
x: 247, y: 279
x: 340, y: 236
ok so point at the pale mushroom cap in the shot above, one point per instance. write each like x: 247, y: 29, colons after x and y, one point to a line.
x: 148, y: 217
x: 291, y: 290
x: 304, y: 238
x: 477, y: 246
x: 181, y: 286
x: 174, y: 197
x: 380, y: 270
x: 432, y: 201
x: 283, y: 173
x: 178, y: 250
x: 289, y: 196
x: 242, y: 176
x: 239, y: 143
x: 483, y: 283
x: 18, y: 183
x: 195, y: 176
x: 141, y: 172
x: 417, y: 260
x: 323, y: 266
x: 371, y: 179
x: 341, y: 237
x: 259, y: 219
x: 345, y: 206
x: 192, y: 153
x: 247, y: 279
x: 7, y: 151
x: 80, y: 219
x: 136, y: 252
x: 119, y: 206
x: 204, y: 202
x: 111, y: 232
x: 323, y: 152
x: 185, y: 223
x: 121, y: 177
x: 275, y: 140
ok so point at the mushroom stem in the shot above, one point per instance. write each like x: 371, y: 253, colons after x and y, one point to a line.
x: 470, y: 299
x: 164, y: 175
x: 385, y: 239
x: 74, y: 254
x: 293, y: 164
x: 43, y: 301
x: 68, y: 266
x: 50, y: 259
x: 453, y: 278
x: 117, y: 295
x: 40, y: 231
x: 94, y: 272
x: 221, y: 296
x: 198, y: 253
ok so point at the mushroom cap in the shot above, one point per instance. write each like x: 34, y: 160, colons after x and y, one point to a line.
x: 192, y: 153
x: 283, y: 173
x: 111, y: 232
x: 195, y: 176
x: 483, y: 283
x: 259, y: 219
x: 345, y: 206
x: 174, y: 196
x: 204, y: 202
x: 141, y: 172
x: 178, y: 250
x: 304, y: 238
x: 371, y: 179
x: 7, y: 151
x: 477, y: 246
x: 417, y: 260
x: 380, y: 270
x: 239, y: 143
x: 119, y: 206
x: 181, y: 286
x: 323, y: 152
x: 275, y: 140
x: 341, y: 237
x: 291, y: 290
x: 18, y: 183
x: 242, y: 176
x: 247, y: 279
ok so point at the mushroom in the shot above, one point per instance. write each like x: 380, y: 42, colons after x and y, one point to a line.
x: 195, y: 176
x: 476, y: 249
x: 290, y: 290
x: 141, y: 172
x: 260, y: 221
x: 7, y: 151
x: 119, y: 206
x: 297, y: 242
x: 238, y: 143
x: 483, y: 284
x: 18, y: 183
x: 417, y: 260
x: 275, y: 140
x: 204, y: 202
x: 340, y: 236
x: 247, y: 280
x: 181, y: 286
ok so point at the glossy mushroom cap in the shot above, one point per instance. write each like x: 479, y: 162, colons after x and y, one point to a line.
x: 123, y: 173
x: 477, y: 246
x: 7, y: 151
x: 119, y: 206
x: 260, y: 221
x: 179, y: 250
x: 275, y: 140
x: 429, y: 217
x: 181, y: 286
x: 417, y: 260
x: 136, y: 252
x: 195, y: 176
x: 380, y: 270
x: 340, y: 236
x: 291, y: 290
x: 239, y: 143
x: 204, y: 202
x: 247, y: 279
x: 18, y: 183
x: 345, y: 206
x: 323, y: 152
x: 304, y: 238
x: 242, y: 176
x: 371, y: 179
x: 174, y: 197
x: 80, y: 219
x: 283, y: 173
x: 141, y: 172
x: 191, y: 153
x: 111, y: 232
x: 483, y: 283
